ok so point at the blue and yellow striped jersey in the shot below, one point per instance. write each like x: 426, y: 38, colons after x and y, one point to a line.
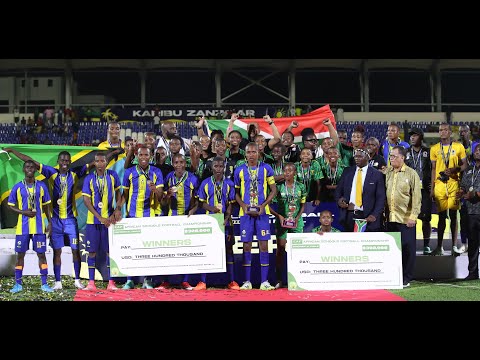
x: 264, y: 174
x: 208, y: 193
x: 66, y: 207
x: 141, y: 202
x: 19, y: 197
x: 92, y: 187
x: 187, y: 187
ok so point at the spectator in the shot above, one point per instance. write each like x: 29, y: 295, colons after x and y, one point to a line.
x: 16, y: 115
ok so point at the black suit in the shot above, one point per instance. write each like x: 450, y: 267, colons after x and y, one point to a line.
x: 373, y: 197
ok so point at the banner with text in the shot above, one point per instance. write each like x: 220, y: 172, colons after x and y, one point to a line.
x: 344, y: 261
x: 150, y: 113
x: 167, y: 245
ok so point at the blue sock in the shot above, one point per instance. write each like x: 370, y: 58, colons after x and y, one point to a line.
x: 18, y: 274
x: 186, y: 277
x: 264, y: 262
x: 56, y: 271
x: 230, y: 266
x: 43, y: 273
x: 247, y: 264
x: 203, y: 278
x: 76, y: 269
x: 91, y: 268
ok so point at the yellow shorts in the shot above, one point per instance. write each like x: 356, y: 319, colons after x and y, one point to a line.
x: 445, y: 195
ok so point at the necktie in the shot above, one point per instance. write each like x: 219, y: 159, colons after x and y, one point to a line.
x: 358, y: 188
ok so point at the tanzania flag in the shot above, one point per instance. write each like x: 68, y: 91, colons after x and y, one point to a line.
x: 11, y: 172
x: 360, y: 225
x: 312, y: 120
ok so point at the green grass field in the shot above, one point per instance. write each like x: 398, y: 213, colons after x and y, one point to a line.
x: 445, y: 290
x: 452, y: 290
x: 31, y: 289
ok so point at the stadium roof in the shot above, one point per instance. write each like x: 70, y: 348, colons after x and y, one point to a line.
x: 228, y: 64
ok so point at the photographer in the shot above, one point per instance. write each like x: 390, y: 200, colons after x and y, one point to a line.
x: 448, y: 160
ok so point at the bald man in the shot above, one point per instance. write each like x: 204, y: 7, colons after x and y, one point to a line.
x: 169, y: 129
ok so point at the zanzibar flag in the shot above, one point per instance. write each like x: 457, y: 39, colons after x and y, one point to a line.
x: 312, y: 120
x: 360, y: 225
x: 11, y: 172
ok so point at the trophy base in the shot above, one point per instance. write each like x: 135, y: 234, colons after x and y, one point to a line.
x: 290, y: 224
x: 252, y: 209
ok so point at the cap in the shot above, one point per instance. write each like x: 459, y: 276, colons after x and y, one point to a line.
x: 362, y: 150
x: 416, y: 131
x: 128, y: 138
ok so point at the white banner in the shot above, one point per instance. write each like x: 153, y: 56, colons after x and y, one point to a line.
x: 167, y: 245
x: 344, y: 261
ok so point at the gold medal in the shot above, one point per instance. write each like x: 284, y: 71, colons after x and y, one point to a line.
x: 174, y: 189
x: 100, y: 205
x: 59, y: 202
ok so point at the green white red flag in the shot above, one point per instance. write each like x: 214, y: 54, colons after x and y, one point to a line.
x: 313, y: 120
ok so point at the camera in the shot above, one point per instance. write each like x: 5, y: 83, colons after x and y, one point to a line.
x: 443, y: 177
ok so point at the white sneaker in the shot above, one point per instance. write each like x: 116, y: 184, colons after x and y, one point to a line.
x: 79, y: 285
x: 247, y: 285
x: 458, y: 250
x: 266, y: 286
x: 58, y: 285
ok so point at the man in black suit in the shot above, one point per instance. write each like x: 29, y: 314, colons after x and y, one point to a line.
x: 369, y: 203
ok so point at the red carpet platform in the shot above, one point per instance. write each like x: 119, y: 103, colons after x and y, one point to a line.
x: 235, y: 295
